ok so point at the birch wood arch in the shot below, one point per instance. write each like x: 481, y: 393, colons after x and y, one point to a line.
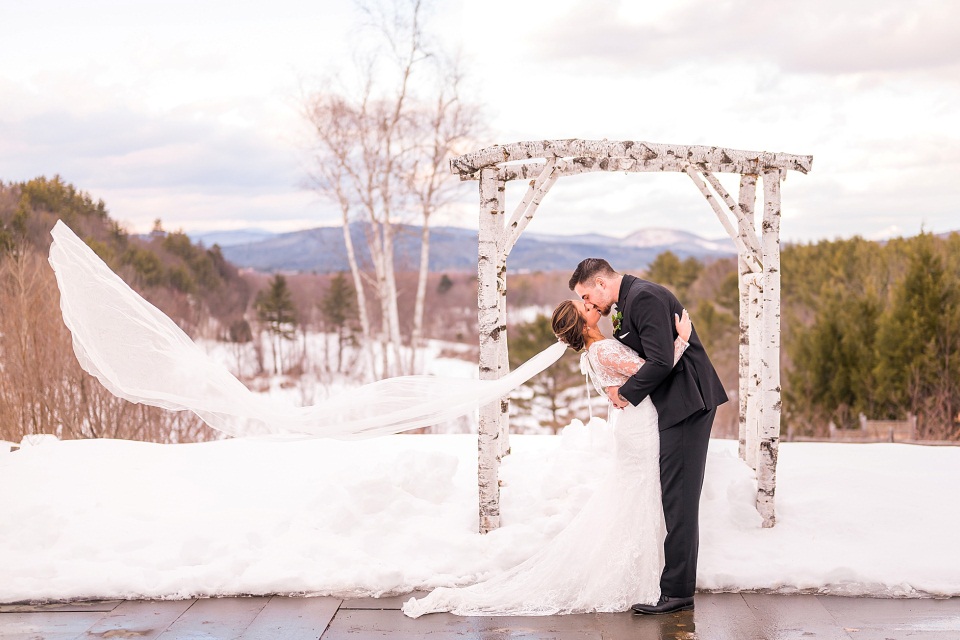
x: 542, y: 163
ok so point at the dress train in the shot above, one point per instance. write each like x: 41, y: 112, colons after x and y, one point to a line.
x: 609, y: 557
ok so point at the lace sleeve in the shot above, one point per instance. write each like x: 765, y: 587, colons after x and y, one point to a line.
x: 612, y: 362
x: 615, y: 360
x: 679, y: 346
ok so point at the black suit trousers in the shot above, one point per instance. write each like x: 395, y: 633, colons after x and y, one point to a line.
x: 683, y: 458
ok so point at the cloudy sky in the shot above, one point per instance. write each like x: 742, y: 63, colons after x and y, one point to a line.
x: 190, y: 111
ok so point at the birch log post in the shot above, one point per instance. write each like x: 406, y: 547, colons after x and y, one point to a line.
x: 489, y: 301
x: 770, y: 428
x: 747, y: 201
x: 503, y: 345
x: 754, y: 407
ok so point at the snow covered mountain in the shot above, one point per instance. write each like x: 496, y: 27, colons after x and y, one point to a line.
x: 676, y: 238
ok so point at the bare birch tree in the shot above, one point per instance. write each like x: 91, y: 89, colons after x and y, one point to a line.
x: 450, y: 124
x: 381, y: 156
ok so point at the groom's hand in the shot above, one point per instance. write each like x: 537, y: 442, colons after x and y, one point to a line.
x: 615, y: 398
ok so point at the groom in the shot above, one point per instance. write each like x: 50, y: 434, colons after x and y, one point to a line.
x: 686, y: 397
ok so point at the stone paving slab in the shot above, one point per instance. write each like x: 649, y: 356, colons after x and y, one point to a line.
x: 215, y: 618
x: 46, y: 625
x: 293, y: 619
x: 800, y: 616
x: 876, y: 619
x: 720, y: 616
x: 140, y: 619
x: 390, y: 623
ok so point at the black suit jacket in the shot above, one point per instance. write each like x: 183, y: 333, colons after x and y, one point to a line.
x: 648, y: 327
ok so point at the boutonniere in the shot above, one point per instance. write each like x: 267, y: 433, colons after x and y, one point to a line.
x: 617, y: 319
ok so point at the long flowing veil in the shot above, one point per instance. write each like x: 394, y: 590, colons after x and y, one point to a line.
x: 141, y: 355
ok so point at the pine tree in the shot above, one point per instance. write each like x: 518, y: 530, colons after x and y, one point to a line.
x: 529, y: 339
x: 917, y: 341
x: 667, y: 269
x: 339, y: 310
x: 834, y: 359
x: 277, y: 312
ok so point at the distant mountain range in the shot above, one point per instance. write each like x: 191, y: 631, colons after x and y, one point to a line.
x: 322, y: 249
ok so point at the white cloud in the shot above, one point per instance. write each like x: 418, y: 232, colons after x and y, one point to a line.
x: 817, y: 36
x: 189, y: 112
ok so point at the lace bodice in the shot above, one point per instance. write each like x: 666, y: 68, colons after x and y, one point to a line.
x: 609, y: 363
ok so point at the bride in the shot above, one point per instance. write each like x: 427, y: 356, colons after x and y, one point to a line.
x: 610, y: 556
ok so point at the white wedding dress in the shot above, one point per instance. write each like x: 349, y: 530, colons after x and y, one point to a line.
x: 610, y: 556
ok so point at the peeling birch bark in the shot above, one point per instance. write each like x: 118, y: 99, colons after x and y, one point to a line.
x: 770, y: 428
x: 629, y: 155
x: 416, y: 334
x: 503, y: 354
x: 754, y: 408
x: 747, y: 204
x: 489, y: 319
x: 361, y: 296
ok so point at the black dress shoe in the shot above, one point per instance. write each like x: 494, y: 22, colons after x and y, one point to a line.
x: 666, y: 604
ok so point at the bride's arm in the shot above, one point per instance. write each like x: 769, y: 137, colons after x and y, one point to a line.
x: 620, y: 361
x: 627, y: 362
x: 617, y: 361
x: 684, y: 329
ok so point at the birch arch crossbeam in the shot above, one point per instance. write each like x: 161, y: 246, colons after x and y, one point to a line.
x: 542, y: 163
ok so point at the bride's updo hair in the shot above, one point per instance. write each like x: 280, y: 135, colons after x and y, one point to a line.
x: 568, y: 325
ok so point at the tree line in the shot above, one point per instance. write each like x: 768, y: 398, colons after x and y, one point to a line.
x: 868, y: 328
x: 874, y: 330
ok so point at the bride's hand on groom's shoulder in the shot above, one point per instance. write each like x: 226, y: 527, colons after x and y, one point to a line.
x: 684, y: 326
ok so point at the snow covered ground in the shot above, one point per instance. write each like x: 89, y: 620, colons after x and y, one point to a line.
x: 107, y: 518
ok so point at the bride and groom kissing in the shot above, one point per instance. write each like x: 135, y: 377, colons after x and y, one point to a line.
x: 633, y: 546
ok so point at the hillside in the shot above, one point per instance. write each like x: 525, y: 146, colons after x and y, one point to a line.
x: 188, y: 282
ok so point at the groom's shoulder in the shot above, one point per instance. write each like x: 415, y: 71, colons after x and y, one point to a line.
x: 640, y: 284
x: 648, y: 287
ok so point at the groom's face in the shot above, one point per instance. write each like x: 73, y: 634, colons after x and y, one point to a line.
x: 596, y: 294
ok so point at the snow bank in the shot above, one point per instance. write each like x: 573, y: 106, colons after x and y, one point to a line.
x: 118, y: 519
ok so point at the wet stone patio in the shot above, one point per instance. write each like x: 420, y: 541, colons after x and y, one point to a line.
x: 718, y: 616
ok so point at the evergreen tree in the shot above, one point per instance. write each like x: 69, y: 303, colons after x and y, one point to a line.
x: 445, y: 284
x: 917, y: 341
x: 715, y: 327
x: 667, y: 269
x: 529, y: 339
x: 339, y: 310
x: 832, y: 376
x: 277, y: 312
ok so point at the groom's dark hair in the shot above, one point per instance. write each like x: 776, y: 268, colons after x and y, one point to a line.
x: 589, y: 269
